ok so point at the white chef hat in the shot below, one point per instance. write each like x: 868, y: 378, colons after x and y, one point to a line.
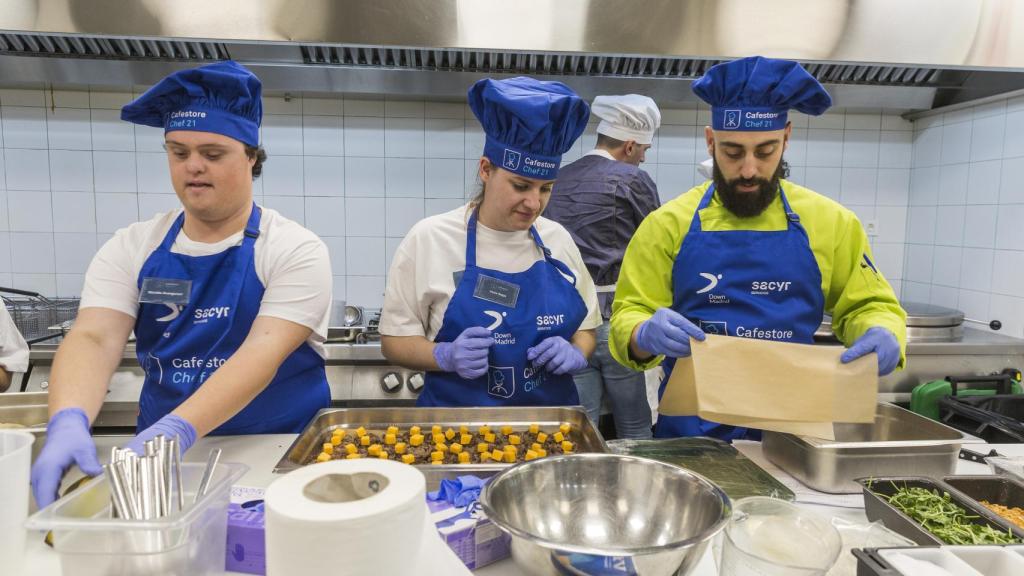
x: 706, y: 168
x: 627, y: 117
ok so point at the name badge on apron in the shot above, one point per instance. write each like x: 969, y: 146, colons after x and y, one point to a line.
x: 496, y: 291
x: 165, y: 291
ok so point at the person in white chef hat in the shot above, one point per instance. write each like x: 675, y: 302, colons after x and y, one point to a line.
x: 601, y: 199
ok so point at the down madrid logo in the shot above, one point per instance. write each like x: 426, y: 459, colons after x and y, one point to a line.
x: 175, y: 311
x: 496, y: 316
x: 511, y: 159
x: 712, y: 282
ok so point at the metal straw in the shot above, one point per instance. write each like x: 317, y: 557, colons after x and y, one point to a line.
x: 117, y: 493
x: 143, y: 487
x: 176, y: 454
x: 145, y: 484
x: 211, y: 464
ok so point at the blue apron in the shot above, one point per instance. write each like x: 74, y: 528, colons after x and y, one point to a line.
x: 546, y: 304
x: 179, y: 347
x: 745, y: 283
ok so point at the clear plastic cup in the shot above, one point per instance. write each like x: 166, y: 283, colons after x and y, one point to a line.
x: 771, y: 537
x: 15, y: 463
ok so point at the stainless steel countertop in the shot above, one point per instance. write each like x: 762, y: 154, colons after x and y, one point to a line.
x: 260, y: 452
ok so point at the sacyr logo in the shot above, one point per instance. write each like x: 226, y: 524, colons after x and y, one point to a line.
x: 712, y: 282
x: 213, y: 312
x: 732, y: 119
x: 768, y: 286
x: 175, y: 310
x: 511, y: 159
x: 498, y: 317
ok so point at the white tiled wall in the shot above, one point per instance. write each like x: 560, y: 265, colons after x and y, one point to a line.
x: 358, y: 172
x: 965, y: 246
x: 861, y: 159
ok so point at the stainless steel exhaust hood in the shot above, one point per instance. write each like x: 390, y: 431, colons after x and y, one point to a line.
x: 910, y: 55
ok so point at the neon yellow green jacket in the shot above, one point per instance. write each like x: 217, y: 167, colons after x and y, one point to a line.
x: 856, y: 296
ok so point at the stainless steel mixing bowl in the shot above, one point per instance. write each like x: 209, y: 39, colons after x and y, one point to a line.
x: 572, y: 514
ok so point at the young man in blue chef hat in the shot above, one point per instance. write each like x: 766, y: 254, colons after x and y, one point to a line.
x: 492, y: 300
x: 228, y: 300
x: 749, y: 253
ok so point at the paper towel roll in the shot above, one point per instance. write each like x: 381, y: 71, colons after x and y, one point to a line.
x: 352, y: 517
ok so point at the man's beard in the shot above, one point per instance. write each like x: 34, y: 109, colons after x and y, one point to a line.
x: 747, y: 204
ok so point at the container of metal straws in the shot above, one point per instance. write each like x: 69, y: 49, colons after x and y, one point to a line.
x: 147, y: 513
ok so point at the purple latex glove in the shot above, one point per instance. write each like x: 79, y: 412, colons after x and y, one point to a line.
x: 462, y: 491
x: 880, y: 341
x: 170, y: 426
x: 668, y: 333
x: 467, y: 355
x: 558, y: 355
x: 67, y: 442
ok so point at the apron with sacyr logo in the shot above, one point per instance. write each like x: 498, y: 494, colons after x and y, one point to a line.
x: 746, y: 283
x: 520, y: 309
x: 180, y: 345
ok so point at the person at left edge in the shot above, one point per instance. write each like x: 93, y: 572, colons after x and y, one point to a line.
x: 13, y: 349
x: 493, y: 301
x: 228, y: 300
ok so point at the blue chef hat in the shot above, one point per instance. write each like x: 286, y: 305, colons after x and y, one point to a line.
x: 529, y: 123
x: 223, y: 98
x: 754, y: 94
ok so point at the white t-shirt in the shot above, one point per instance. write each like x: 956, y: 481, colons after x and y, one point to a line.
x: 13, y: 348
x: 421, y: 280
x: 292, y: 263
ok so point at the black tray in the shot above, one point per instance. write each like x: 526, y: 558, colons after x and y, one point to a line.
x: 877, y: 508
x: 869, y: 563
x: 1002, y: 490
x: 997, y: 419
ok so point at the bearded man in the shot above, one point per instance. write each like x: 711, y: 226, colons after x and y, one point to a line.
x: 748, y: 253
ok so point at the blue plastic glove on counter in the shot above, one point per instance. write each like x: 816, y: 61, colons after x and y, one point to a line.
x: 170, y: 426
x: 67, y: 442
x: 460, y: 492
x: 877, y: 340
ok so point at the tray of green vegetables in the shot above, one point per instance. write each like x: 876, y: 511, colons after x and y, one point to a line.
x: 931, y: 512
x: 714, y: 459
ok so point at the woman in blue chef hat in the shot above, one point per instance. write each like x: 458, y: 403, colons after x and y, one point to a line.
x: 228, y: 300
x: 493, y: 301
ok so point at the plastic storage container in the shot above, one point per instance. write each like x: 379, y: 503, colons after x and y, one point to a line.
x: 1013, y: 467
x: 925, y: 397
x: 957, y: 560
x: 15, y: 461
x: 188, y: 543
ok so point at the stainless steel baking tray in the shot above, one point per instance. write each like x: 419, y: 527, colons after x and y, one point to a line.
x: 28, y: 409
x: 898, y: 443
x: 318, y: 431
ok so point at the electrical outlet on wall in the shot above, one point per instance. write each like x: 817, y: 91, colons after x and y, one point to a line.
x: 871, y: 227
